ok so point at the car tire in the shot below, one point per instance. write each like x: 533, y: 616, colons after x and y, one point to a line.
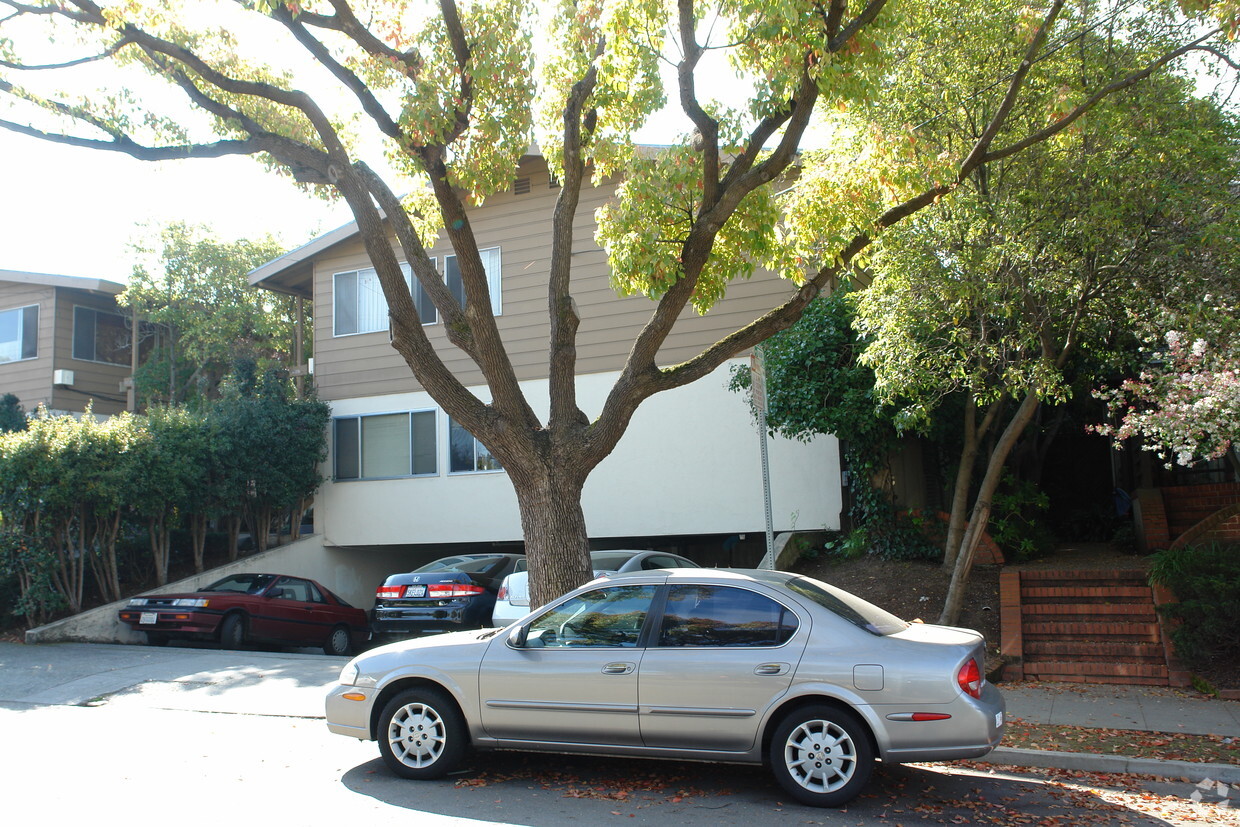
x: 421, y: 734
x: 821, y: 755
x: 338, y: 642
x: 232, y: 632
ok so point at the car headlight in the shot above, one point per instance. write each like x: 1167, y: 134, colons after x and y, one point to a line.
x: 348, y: 675
x: 191, y: 603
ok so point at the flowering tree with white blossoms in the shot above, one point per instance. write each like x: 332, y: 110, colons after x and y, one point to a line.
x: 1185, y: 407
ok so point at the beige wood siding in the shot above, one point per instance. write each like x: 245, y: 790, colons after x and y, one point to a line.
x: 366, y: 365
x: 30, y: 380
x: 92, y: 381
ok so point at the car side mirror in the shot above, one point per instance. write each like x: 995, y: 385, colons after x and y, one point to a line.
x: 522, y: 638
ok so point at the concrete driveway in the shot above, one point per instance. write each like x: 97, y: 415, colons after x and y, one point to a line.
x: 201, y: 680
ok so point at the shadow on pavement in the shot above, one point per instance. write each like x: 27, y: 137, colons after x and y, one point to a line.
x: 542, y: 789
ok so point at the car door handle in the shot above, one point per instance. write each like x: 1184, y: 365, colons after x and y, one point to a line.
x: 771, y: 669
x: 618, y: 668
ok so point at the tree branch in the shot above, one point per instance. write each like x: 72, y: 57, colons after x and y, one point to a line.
x: 562, y: 311
x: 977, y: 156
x: 1110, y: 89
x: 370, y: 104
x: 707, y: 127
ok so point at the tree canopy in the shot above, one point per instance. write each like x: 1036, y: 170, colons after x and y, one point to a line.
x: 453, y: 94
x: 1066, y: 248
x: 195, y: 285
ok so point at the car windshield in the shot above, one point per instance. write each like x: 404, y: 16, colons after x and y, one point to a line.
x: 465, y: 564
x: 243, y: 583
x: 850, y: 607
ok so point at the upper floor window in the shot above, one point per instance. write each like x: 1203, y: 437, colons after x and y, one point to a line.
x: 360, y: 307
x: 100, y: 336
x: 467, y: 453
x: 385, y: 445
x: 19, y: 333
x: 490, y: 263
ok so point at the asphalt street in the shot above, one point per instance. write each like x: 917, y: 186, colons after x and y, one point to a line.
x: 122, y: 734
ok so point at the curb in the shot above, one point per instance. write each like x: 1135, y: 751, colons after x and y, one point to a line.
x: 1089, y: 762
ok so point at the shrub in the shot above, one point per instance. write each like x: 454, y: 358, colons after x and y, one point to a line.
x: 1206, y: 579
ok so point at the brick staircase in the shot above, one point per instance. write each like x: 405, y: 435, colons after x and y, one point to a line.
x: 1083, y: 626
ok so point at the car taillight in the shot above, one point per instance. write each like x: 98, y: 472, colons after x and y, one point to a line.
x: 389, y: 592
x: 443, y: 590
x: 970, y: 679
x: 503, y: 592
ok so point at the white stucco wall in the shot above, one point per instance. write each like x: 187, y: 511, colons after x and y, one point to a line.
x: 689, y: 464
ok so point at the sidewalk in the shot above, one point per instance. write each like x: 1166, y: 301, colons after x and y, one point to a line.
x: 1138, y: 708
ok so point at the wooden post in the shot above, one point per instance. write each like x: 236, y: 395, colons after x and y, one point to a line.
x: 299, y: 347
x: 131, y: 392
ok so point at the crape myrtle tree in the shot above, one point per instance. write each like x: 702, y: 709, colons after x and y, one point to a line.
x: 455, y: 92
x: 1044, y: 257
x: 1183, y: 403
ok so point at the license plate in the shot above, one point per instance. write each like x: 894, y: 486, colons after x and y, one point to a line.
x: 148, y: 618
x: 415, y: 591
x: 998, y: 719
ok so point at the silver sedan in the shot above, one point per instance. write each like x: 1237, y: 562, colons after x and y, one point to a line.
x: 721, y: 665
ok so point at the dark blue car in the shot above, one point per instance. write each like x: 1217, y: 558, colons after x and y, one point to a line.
x: 448, y: 595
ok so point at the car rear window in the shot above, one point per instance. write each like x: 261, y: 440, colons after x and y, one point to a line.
x: 474, y: 564
x: 848, y: 606
x: 609, y: 562
x: 243, y: 583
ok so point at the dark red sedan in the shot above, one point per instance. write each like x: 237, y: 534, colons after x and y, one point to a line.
x: 267, y: 608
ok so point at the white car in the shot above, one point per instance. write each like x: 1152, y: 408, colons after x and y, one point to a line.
x: 513, y: 602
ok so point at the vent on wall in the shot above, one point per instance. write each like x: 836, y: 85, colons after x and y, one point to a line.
x: 521, y: 186
x: 62, y: 377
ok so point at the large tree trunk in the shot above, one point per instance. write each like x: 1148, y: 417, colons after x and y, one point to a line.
x: 981, y: 508
x: 557, y: 546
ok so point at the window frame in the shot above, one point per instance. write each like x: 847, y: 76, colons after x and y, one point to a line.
x: 656, y: 635
x: 73, y: 339
x: 495, y: 281
x: 420, y: 298
x: 360, y: 439
x: 653, y: 610
x: 498, y: 469
x: 21, y: 332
